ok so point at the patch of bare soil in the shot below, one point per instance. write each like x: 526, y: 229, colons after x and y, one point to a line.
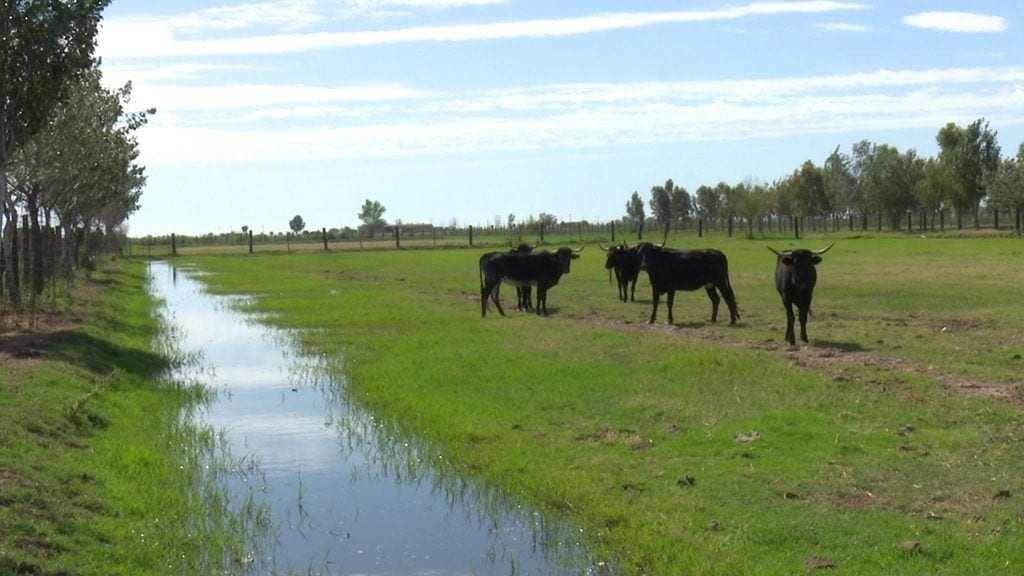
x: 831, y: 359
x: 25, y: 337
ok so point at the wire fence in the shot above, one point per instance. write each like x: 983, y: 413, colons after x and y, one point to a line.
x: 427, y: 237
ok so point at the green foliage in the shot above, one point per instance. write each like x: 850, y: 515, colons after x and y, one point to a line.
x: 635, y: 208
x: 297, y: 224
x: 372, y: 214
x: 701, y: 448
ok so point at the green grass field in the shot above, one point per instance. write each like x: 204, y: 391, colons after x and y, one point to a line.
x: 889, y: 445
x: 892, y: 444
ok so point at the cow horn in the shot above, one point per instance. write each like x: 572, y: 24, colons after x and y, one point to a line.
x: 823, y: 250
x: 580, y: 249
x: 662, y: 245
x: 776, y: 252
x: 601, y: 246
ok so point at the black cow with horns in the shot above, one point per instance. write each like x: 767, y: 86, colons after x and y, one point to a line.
x: 542, y: 269
x: 625, y: 262
x: 795, y: 277
x: 670, y: 270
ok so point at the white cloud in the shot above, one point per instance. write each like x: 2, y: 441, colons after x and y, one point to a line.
x: 956, y: 22
x: 842, y: 27
x: 136, y: 38
x: 284, y: 124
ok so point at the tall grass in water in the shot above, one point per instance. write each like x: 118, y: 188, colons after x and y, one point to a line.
x: 227, y: 515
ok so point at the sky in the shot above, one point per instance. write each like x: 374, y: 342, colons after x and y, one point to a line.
x: 469, y: 111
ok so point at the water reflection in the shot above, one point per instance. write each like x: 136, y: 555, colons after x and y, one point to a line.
x: 349, y: 494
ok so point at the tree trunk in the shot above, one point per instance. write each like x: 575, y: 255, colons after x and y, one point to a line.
x: 13, y: 273
x: 38, y: 252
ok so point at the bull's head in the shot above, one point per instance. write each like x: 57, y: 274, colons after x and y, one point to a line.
x: 644, y: 250
x: 521, y: 248
x: 565, y: 257
x: 616, y: 253
x: 800, y: 263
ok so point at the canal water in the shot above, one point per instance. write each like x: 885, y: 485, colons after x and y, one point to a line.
x: 343, y: 495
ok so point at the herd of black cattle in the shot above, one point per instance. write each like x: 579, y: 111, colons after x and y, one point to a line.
x: 668, y: 270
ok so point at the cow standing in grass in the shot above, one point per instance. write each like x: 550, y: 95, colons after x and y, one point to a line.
x: 795, y: 277
x: 543, y: 269
x: 524, y: 298
x: 670, y: 270
x: 624, y: 261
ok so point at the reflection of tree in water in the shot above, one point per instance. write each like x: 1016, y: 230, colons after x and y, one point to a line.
x: 395, y: 454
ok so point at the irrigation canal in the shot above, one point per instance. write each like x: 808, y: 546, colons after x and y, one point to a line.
x: 342, y: 495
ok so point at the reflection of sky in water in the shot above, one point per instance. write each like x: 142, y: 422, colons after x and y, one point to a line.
x: 338, y: 509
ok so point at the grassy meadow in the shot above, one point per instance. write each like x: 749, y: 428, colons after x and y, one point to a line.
x: 891, y: 444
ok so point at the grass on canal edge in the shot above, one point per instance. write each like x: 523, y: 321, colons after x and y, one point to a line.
x: 99, y: 474
x: 891, y: 445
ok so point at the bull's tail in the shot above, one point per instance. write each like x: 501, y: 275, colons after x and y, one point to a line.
x: 729, y: 295
x: 483, y: 296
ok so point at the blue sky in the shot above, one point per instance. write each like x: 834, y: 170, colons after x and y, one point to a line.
x: 471, y: 110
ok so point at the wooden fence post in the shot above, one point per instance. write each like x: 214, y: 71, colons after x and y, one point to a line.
x: 174, y: 245
x: 398, y: 233
x: 470, y: 235
x: 250, y: 241
x: 323, y: 233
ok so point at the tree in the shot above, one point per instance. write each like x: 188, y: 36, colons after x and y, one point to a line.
x: 372, y: 215
x: 661, y: 204
x: 809, y: 190
x: 973, y: 154
x: 937, y: 187
x: 82, y: 166
x: 44, y: 46
x: 1006, y: 186
x: 840, y: 184
x: 708, y: 202
x: 547, y: 221
x: 635, y: 212
x: 682, y: 205
x: 890, y: 179
x: 753, y: 203
x: 297, y: 224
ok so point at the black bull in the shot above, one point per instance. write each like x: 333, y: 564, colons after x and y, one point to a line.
x: 625, y: 261
x: 795, y: 277
x: 670, y: 270
x: 543, y: 270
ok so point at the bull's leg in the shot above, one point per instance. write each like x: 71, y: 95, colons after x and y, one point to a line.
x: 803, y: 322
x: 790, y: 337
x: 619, y: 285
x: 527, y: 298
x: 654, y: 306
x: 670, y: 300
x: 714, y: 301
x: 490, y: 290
x: 730, y: 300
x: 632, y: 293
x: 542, y: 301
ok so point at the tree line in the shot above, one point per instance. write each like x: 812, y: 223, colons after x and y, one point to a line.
x: 870, y: 184
x: 69, y: 176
